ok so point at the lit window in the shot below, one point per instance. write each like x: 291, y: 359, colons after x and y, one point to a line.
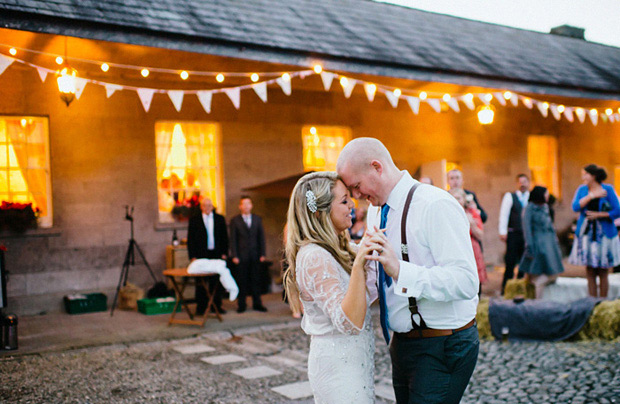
x: 25, y: 164
x: 189, y: 168
x: 542, y: 159
x: 322, y: 145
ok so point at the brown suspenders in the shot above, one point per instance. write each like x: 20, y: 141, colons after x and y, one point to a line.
x: 413, y: 304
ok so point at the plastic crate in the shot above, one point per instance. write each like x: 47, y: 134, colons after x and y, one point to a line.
x: 160, y: 305
x: 86, y: 303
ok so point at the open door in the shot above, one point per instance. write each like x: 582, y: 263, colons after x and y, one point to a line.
x: 436, y: 171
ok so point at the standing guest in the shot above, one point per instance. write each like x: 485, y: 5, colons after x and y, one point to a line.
x: 247, y: 249
x: 542, y: 259
x: 476, y: 231
x: 596, y: 242
x: 427, y: 280
x: 359, y: 226
x: 455, y: 180
x: 426, y: 180
x: 510, y: 227
x: 207, y: 237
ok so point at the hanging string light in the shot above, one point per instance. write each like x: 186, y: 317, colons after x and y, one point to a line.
x: 66, y: 80
x: 105, y: 67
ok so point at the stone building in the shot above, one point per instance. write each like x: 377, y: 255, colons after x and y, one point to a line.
x: 105, y: 150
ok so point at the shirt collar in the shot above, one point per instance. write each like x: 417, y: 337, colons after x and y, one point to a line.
x: 396, y: 199
x: 207, y: 216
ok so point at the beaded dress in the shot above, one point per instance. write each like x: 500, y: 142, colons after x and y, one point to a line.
x: 341, y: 358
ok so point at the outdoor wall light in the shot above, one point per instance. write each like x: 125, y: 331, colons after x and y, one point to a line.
x: 486, y: 115
x: 66, y: 83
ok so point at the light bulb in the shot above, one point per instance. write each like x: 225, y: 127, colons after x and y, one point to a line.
x: 486, y: 115
x: 507, y: 95
x: 446, y: 97
x: 545, y: 105
x: 184, y: 75
x: 423, y: 95
x: 219, y: 77
x: 344, y: 81
x: 313, y: 130
x: 469, y: 96
x: 609, y: 111
x: 561, y: 108
x: 397, y: 92
x: 286, y: 77
x: 488, y: 97
x: 254, y: 77
x: 145, y: 72
x: 593, y: 111
x: 13, y: 51
x: 105, y: 67
x: 59, y: 60
x: 318, y: 69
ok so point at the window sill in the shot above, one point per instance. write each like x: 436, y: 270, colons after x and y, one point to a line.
x: 40, y: 232
x: 170, y: 226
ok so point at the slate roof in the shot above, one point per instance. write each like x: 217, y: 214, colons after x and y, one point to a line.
x: 359, y: 36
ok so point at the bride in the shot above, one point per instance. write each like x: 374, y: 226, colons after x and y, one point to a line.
x: 329, y: 280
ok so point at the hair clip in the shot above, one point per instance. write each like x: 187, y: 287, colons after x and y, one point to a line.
x: 311, y: 201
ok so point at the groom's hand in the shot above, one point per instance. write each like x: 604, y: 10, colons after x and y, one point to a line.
x: 386, y: 255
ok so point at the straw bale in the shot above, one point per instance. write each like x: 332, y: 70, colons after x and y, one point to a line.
x: 128, y: 296
x: 482, y: 318
x: 604, y: 322
x: 519, y: 287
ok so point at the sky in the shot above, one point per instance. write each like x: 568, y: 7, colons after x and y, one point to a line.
x: 600, y: 18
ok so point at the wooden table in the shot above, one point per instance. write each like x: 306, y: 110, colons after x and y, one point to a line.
x: 179, y: 288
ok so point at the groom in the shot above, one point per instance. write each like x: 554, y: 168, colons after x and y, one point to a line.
x: 428, y: 300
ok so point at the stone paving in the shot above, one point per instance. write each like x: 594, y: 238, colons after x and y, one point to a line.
x: 268, y: 365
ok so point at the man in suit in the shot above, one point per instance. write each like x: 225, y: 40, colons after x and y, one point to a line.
x: 247, y: 249
x: 207, y: 237
x: 455, y: 180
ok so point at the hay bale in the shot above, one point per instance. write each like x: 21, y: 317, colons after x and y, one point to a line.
x: 482, y: 317
x: 128, y: 296
x: 519, y: 287
x: 604, y: 322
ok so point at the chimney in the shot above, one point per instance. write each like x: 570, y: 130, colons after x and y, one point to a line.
x: 569, y: 31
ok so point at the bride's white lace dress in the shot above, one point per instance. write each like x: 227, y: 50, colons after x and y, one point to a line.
x: 341, y: 359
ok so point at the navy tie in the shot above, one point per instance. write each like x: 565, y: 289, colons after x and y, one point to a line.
x: 382, y: 281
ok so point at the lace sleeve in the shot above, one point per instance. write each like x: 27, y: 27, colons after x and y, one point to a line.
x: 322, y: 280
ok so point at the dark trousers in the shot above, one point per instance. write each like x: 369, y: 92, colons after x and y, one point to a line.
x: 515, y: 246
x: 201, y: 294
x: 433, y: 370
x: 249, y: 282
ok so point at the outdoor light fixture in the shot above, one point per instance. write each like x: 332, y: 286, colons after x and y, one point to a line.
x: 66, y: 80
x: 486, y: 115
x: 13, y: 51
x: 254, y: 77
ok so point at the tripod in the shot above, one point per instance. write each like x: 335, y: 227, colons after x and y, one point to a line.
x: 130, y: 259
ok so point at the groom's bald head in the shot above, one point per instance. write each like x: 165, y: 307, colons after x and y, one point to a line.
x: 359, y: 153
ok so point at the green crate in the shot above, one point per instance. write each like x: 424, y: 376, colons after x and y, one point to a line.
x: 160, y: 305
x: 85, y: 303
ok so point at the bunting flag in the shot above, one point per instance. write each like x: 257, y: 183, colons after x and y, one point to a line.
x: 454, y: 104
x: 544, y: 111
x: 469, y: 102
x: 285, y: 85
x: 500, y: 98
x: 392, y: 98
x: 568, y: 114
x: 146, y: 96
x: 205, y: 100
x: 555, y: 112
x: 261, y: 90
x: 514, y: 100
x: 42, y: 73
x: 594, y: 117
x: 527, y: 102
x: 434, y: 103
x: 111, y: 89
x: 370, y: 90
x: 414, y: 103
x: 5, y: 62
x: 327, y: 79
x: 348, y: 88
x: 581, y: 114
x: 176, y: 96
x: 483, y: 98
x: 235, y: 95
x: 80, y: 83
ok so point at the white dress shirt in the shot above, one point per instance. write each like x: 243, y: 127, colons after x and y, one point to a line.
x: 208, y: 221
x: 248, y: 220
x: 504, y: 210
x: 442, y: 274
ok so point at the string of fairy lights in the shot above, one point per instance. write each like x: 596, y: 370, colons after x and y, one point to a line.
x: 71, y: 85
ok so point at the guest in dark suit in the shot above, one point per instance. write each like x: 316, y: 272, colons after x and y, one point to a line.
x: 207, y: 237
x: 247, y: 249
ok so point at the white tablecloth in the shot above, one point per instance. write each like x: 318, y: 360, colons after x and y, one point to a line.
x: 566, y: 290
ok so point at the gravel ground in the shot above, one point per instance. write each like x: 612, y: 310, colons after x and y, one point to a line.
x: 155, y: 373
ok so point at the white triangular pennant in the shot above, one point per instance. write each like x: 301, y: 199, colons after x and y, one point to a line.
x: 483, y: 98
x: 594, y: 117
x: 5, y: 62
x: 568, y: 114
x: 469, y: 102
x: 111, y: 89
x: 514, y: 100
x: 434, y: 103
x: 261, y: 90
x: 554, y: 111
x: 392, y: 98
x: 146, y: 96
x: 348, y: 88
x: 612, y: 118
x: 581, y: 114
x: 176, y: 96
x: 371, y: 90
x: 527, y: 102
x: 414, y: 103
x: 543, y: 111
x: 454, y: 104
x: 234, y: 94
x: 80, y: 83
x: 42, y: 73
x: 285, y: 85
x: 604, y: 117
x: 500, y: 98
x: 327, y: 79
x: 205, y: 99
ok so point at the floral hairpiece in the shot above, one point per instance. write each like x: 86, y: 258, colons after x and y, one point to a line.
x: 311, y: 201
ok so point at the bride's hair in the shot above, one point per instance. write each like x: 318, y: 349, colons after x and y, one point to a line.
x: 309, y: 222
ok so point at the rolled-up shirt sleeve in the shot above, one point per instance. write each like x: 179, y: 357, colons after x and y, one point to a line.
x: 504, y: 214
x: 454, y: 275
